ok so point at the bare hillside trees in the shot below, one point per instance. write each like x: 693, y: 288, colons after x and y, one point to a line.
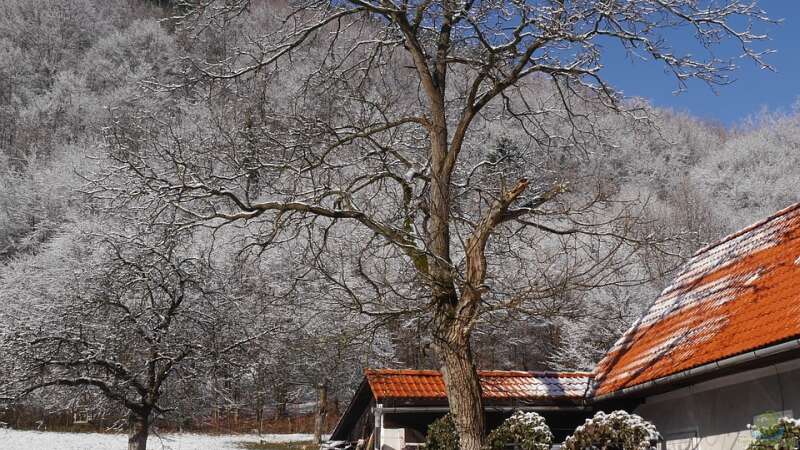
x: 372, y: 121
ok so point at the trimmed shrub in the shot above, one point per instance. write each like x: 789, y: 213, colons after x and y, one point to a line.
x: 526, y: 430
x: 442, y: 434
x: 616, y: 431
x: 785, y: 434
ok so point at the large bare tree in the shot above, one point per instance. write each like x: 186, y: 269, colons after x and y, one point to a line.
x: 376, y: 122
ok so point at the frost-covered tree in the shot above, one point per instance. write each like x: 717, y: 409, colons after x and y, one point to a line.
x: 131, y: 319
x: 754, y: 173
x: 319, y: 356
x: 387, y: 126
x: 35, y: 202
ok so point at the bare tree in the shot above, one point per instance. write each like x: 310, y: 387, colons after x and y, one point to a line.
x: 129, y: 318
x: 319, y: 356
x: 387, y: 127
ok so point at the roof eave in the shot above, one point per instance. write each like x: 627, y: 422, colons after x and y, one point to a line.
x: 345, y: 417
x: 687, y: 376
x: 487, y: 402
x: 508, y: 408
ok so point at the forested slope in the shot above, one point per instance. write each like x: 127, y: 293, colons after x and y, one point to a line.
x: 81, y: 80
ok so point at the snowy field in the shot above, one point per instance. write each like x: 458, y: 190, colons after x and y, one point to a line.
x: 36, y: 440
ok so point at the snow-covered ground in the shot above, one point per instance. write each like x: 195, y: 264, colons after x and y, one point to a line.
x: 45, y: 440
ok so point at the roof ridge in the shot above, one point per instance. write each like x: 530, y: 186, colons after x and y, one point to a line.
x: 747, y: 229
x: 535, y: 373
x: 387, y: 371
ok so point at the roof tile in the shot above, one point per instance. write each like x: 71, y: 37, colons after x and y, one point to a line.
x: 496, y: 385
x: 738, y: 295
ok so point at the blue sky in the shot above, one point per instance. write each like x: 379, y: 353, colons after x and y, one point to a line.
x: 753, y: 90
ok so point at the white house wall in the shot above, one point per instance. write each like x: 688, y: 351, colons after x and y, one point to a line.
x: 393, y: 438
x: 714, y: 415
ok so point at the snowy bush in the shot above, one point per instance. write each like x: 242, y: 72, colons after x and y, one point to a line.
x: 616, y: 431
x: 527, y: 430
x: 442, y: 434
x: 785, y: 434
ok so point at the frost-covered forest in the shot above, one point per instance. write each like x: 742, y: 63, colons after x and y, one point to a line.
x: 127, y: 285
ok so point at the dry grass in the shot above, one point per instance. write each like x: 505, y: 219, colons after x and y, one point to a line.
x: 278, y: 446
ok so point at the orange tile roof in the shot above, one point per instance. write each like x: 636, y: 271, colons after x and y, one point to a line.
x: 496, y: 385
x: 738, y: 295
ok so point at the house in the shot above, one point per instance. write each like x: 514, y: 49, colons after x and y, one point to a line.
x: 393, y: 408
x: 719, y: 349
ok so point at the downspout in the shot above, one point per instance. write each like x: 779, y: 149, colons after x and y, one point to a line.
x: 705, y: 368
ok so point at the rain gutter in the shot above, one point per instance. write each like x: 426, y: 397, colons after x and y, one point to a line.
x: 445, y: 409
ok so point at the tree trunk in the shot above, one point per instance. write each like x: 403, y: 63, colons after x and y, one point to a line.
x: 455, y: 319
x: 139, y: 428
x: 260, y: 413
x: 463, y: 391
x: 322, y: 411
x: 281, y: 398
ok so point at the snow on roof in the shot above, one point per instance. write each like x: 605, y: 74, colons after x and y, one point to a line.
x: 496, y: 384
x: 737, y: 295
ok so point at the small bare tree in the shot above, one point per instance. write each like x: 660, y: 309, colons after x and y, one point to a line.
x: 128, y: 318
x: 381, y: 114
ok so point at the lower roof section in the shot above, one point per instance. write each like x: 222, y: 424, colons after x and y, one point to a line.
x: 393, y: 386
x: 404, y: 391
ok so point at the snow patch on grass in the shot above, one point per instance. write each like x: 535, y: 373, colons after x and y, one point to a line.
x: 44, y: 440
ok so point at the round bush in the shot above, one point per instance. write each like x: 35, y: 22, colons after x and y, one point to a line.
x: 442, y: 434
x: 784, y: 434
x: 528, y: 430
x: 616, y: 431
